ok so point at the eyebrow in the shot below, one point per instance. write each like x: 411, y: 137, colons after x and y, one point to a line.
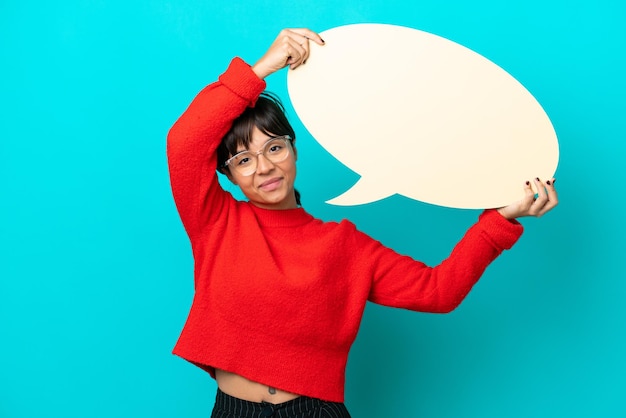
x: 266, y: 141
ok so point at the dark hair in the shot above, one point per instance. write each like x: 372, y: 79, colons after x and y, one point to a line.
x: 268, y: 115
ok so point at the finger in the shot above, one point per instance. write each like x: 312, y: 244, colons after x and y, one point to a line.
x: 297, y: 53
x: 295, y: 56
x: 553, y: 199
x: 284, y: 47
x: 307, y: 34
x: 542, y: 194
x: 541, y: 197
x: 289, y: 47
x: 552, y: 195
x: 307, y: 49
x: 529, y: 198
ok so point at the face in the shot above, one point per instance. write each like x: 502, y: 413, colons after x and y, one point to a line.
x: 272, y: 185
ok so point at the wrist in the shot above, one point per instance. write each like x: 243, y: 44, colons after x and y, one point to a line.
x: 504, y: 213
x: 260, y: 70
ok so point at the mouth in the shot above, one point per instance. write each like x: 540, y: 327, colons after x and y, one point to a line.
x: 271, y: 184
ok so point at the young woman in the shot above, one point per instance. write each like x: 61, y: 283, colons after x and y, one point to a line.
x: 279, y: 295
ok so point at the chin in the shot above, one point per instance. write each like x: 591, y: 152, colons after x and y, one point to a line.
x: 282, y: 202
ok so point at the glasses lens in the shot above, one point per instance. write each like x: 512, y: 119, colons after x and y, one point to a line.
x: 276, y: 150
x: 244, y: 163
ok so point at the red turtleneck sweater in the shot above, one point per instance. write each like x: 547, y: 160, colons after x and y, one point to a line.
x: 279, y: 295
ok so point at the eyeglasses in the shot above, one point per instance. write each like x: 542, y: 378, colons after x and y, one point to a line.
x: 275, y: 150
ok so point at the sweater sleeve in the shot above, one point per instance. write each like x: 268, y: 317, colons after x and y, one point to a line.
x: 400, y: 281
x: 193, y: 140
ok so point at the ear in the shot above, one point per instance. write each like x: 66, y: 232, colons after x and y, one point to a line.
x: 295, y: 151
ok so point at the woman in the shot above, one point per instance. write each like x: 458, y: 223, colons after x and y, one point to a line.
x: 279, y: 295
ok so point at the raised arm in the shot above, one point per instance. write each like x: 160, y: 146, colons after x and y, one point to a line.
x: 193, y: 140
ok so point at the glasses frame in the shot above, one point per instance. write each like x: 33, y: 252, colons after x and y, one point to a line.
x: 286, y: 138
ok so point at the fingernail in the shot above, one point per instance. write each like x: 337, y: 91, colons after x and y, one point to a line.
x: 323, y: 41
x: 548, y: 182
x: 527, y: 183
x: 553, y: 181
x: 537, y: 178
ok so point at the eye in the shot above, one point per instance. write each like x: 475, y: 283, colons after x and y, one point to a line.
x: 243, y: 161
x: 275, y: 147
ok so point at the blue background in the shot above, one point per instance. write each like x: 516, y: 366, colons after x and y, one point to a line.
x: 96, y: 271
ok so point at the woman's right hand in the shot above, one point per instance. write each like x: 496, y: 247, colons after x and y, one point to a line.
x: 290, y: 48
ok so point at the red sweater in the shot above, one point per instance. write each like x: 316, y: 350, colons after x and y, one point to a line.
x: 279, y: 295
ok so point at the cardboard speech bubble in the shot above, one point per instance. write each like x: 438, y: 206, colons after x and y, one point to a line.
x: 419, y: 115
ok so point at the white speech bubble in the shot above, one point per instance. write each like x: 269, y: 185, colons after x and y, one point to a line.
x: 422, y: 116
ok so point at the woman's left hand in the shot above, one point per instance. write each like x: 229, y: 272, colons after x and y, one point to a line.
x: 533, y: 204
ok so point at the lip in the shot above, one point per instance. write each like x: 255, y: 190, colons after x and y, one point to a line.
x: 271, y: 184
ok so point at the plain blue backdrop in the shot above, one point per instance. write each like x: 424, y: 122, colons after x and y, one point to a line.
x: 96, y: 270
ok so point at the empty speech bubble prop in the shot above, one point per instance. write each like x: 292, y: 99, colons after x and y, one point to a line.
x: 419, y: 115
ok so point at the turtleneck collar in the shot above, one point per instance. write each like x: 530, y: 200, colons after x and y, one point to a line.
x: 279, y: 218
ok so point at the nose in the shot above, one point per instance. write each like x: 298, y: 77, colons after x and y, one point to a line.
x: 263, y: 165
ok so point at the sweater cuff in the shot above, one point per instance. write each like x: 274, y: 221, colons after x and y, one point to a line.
x: 502, y: 232
x: 241, y: 80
